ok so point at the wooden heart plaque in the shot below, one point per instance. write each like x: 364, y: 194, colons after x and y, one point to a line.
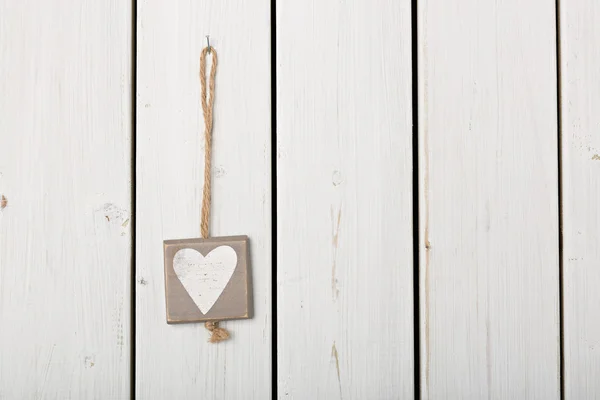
x: 207, y: 279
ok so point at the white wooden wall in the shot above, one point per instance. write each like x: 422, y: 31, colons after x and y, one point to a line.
x: 580, y: 81
x: 489, y: 201
x: 65, y: 172
x: 176, y: 361
x: 94, y: 175
x: 344, y: 200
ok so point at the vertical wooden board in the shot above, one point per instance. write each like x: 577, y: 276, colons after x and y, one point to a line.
x: 489, y: 199
x: 580, y: 99
x: 344, y: 193
x: 176, y: 361
x: 65, y: 175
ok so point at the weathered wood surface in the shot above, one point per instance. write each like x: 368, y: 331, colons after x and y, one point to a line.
x: 176, y: 361
x: 344, y: 201
x: 580, y: 83
x: 65, y: 175
x: 488, y: 197
x: 489, y: 200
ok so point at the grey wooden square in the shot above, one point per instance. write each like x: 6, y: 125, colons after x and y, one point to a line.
x: 203, y: 265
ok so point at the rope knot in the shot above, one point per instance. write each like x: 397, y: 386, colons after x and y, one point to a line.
x: 217, y: 334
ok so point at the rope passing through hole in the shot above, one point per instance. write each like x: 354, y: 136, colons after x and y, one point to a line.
x: 208, y: 100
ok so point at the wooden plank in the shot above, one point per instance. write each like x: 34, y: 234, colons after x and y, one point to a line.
x: 176, y: 361
x: 65, y: 174
x: 580, y: 55
x: 344, y: 194
x: 489, y: 199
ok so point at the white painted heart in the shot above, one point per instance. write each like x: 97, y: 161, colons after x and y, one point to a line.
x: 205, y: 278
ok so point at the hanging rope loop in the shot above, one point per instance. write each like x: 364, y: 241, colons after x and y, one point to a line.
x: 208, y: 100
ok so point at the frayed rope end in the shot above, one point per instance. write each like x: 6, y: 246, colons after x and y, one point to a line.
x: 217, y: 334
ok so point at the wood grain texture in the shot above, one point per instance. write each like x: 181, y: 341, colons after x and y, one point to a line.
x: 489, y: 199
x: 65, y: 172
x: 580, y: 99
x: 176, y: 361
x: 344, y: 212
